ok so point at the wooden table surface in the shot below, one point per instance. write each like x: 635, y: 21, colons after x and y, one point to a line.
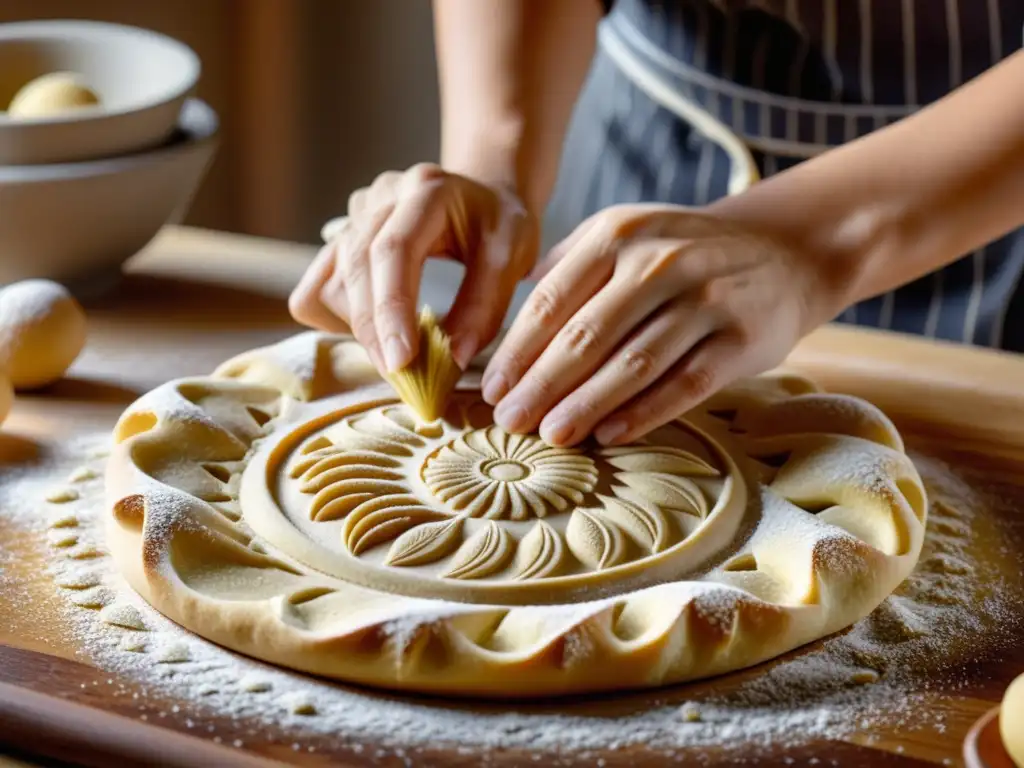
x: 195, y: 298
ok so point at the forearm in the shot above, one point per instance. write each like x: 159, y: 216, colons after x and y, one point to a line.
x: 909, y: 199
x: 510, y: 72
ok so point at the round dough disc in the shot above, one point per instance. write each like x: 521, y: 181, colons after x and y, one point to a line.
x: 291, y: 508
x: 42, y: 331
x: 53, y: 94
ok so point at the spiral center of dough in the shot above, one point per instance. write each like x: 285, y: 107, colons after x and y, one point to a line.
x: 505, y: 471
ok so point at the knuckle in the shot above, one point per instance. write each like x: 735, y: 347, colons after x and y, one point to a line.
x: 713, y: 292
x: 388, y: 246
x: 542, y: 387
x: 583, y: 411
x: 392, y: 304
x: 543, y: 305
x: 362, y: 327
x: 696, y: 383
x: 386, y: 179
x: 354, y: 269
x: 639, y: 364
x: 580, y: 338
x: 378, y: 216
x: 426, y: 172
x: 357, y: 201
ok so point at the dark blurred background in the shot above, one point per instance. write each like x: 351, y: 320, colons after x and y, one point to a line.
x: 315, y: 97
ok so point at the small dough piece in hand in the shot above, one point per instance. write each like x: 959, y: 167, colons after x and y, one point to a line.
x: 1011, y: 721
x: 54, y: 94
x: 42, y: 331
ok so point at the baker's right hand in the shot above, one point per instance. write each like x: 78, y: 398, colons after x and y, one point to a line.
x: 367, y: 278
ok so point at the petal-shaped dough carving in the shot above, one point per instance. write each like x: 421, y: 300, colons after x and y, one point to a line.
x: 541, y: 552
x: 646, y: 525
x: 668, y: 491
x: 665, y: 459
x: 426, y: 543
x: 597, y: 543
x: 485, y: 552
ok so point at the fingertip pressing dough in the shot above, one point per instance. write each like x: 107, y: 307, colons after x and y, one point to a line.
x: 42, y: 331
x: 447, y: 556
x: 54, y: 94
x: 1011, y: 721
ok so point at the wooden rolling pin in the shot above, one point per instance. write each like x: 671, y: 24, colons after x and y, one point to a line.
x: 46, y: 726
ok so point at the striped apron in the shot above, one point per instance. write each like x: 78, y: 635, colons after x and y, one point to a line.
x: 690, y: 100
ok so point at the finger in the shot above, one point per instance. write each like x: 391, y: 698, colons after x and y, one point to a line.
x: 357, y: 285
x: 577, y: 351
x: 716, y: 362
x: 640, y: 362
x: 358, y: 202
x: 383, y: 191
x: 332, y: 228
x: 396, y: 262
x: 486, y: 291
x: 570, y: 285
x: 305, y: 304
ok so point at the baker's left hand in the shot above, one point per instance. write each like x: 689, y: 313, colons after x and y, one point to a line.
x: 647, y: 310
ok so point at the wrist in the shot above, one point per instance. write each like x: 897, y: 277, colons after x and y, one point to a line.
x: 497, y: 156
x: 843, y: 250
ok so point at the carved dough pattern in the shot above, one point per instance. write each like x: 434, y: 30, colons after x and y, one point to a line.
x: 774, y: 515
x: 364, y: 470
x: 489, y: 473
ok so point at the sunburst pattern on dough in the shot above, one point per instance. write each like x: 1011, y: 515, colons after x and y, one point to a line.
x: 423, y: 490
x: 492, y: 474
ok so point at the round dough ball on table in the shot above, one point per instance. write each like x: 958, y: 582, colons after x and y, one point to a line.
x: 42, y: 331
x: 1011, y: 721
x: 52, y: 94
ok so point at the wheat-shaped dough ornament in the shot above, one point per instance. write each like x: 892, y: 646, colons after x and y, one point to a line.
x: 426, y: 383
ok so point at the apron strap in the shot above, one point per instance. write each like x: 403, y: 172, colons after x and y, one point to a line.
x: 743, y: 172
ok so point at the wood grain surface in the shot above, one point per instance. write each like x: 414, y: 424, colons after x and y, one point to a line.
x: 195, y: 298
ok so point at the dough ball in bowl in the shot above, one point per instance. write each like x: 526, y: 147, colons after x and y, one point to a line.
x: 42, y: 331
x: 53, y: 94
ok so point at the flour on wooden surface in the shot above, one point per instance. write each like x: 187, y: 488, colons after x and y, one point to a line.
x: 879, y: 671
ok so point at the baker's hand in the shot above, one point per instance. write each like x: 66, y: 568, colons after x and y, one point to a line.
x: 367, y: 278
x: 645, y: 311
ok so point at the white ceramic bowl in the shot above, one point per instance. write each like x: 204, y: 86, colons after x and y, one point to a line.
x: 78, y: 222
x: 141, y: 77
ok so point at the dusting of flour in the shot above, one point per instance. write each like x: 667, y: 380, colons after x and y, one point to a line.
x: 952, y: 608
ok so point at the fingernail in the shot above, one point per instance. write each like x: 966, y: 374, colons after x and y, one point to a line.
x: 396, y: 353
x: 557, y: 433
x: 495, y: 388
x: 511, y: 416
x: 463, y: 349
x: 609, y: 431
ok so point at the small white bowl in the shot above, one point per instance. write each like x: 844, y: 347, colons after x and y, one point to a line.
x: 78, y: 222
x: 141, y: 77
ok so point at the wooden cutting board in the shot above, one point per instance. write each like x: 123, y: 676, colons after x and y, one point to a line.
x: 195, y: 298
